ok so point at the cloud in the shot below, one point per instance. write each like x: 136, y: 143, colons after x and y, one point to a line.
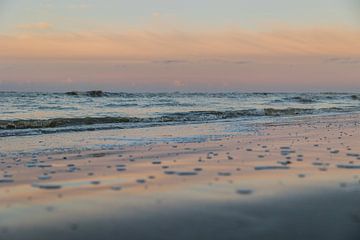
x: 171, y: 61
x: 156, y: 46
x: 343, y: 60
x: 34, y: 26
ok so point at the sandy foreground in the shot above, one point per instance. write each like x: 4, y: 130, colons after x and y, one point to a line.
x: 294, y: 180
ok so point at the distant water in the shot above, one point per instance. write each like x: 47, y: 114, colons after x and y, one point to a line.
x: 40, y: 113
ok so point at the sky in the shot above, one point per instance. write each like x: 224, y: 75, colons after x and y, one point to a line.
x: 180, y: 45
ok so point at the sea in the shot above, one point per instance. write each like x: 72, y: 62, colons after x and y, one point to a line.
x: 37, y: 117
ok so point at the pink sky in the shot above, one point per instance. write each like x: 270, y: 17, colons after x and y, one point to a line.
x: 166, y: 52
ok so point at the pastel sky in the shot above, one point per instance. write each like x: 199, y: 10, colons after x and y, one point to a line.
x: 180, y: 45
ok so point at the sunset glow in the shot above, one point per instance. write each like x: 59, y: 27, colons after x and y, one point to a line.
x: 179, y: 45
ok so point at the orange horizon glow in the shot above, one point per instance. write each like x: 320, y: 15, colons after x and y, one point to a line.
x: 152, y: 45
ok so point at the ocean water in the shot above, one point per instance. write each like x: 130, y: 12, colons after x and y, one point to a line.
x: 33, y: 124
x: 24, y: 114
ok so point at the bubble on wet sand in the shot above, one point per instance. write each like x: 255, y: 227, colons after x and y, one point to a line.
x: 141, y: 181
x: 320, y: 164
x: 95, y: 182
x: 44, y: 177
x: 244, y: 191
x: 116, y: 188
x: 224, y: 174
x: 47, y: 186
x: 353, y: 154
x: 72, y: 169
x: 285, y: 148
x: 120, y: 169
x: 284, y: 163
x: 6, y: 180
x: 43, y: 165
x: 186, y: 173
x: 169, y: 172
x: 348, y: 166
x: 259, y: 168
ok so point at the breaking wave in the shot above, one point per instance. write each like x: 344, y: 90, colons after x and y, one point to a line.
x: 94, y: 123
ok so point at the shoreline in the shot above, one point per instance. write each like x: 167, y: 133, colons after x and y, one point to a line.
x: 298, y: 180
x: 176, y: 133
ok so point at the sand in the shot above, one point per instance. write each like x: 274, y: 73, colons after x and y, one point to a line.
x: 298, y: 179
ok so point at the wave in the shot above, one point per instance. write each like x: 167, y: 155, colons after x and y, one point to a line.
x: 191, y: 116
x: 295, y: 97
x: 302, y: 99
x: 355, y: 97
x: 60, y: 122
x: 116, y: 105
x: 93, y: 93
x: 314, y: 98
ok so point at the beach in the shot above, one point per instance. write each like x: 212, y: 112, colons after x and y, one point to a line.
x: 180, y: 120
x: 297, y: 178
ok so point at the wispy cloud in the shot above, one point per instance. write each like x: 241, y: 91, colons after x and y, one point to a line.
x: 34, y: 26
x: 170, y: 61
x: 152, y: 45
x: 343, y: 60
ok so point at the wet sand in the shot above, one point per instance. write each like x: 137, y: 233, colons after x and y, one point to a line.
x: 292, y: 180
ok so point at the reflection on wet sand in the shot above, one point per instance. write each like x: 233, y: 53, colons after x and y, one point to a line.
x: 240, y: 186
